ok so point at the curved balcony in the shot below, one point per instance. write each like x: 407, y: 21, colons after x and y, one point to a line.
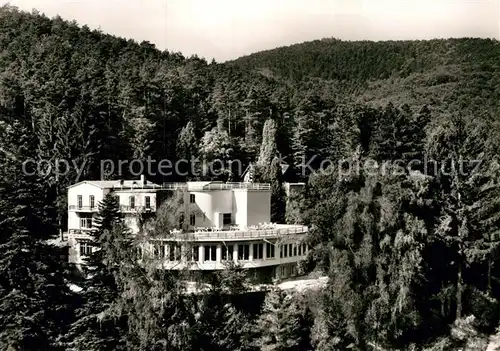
x: 235, y: 235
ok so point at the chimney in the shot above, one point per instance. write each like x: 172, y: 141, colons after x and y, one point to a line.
x: 143, y: 180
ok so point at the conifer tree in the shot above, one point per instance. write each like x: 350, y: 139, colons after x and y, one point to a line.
x: 97, y: 326
x: 35, y: 302
x: 278, y: 325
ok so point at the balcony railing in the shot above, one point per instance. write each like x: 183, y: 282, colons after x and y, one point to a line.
x: 241, y: 234
x: 123, y: 208
x: 202, y: 186
x: 83, y: 208
x: 140, y: 209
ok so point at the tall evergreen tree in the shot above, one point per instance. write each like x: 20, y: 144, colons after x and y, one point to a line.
x: 35, y: 302
x: 279, y: 324
x: 97, y: 326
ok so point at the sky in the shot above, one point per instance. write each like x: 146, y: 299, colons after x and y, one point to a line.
x: 227, y: 29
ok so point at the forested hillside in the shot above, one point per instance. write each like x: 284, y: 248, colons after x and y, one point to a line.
x: 408, y: 253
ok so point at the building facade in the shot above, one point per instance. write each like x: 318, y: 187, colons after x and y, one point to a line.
x: 223, y: 223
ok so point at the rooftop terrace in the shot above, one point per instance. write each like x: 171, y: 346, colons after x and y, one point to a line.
x: 221, y: 235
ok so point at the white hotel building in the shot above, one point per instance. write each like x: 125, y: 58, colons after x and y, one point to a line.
x: 227, y: 222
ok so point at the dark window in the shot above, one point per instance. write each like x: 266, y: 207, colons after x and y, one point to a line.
x: 85, y: 248
x: 148, y: 201
x: 192, y: 219
x: 159, y: 250
x: 210, y: 253
x: 196, y: 252
x: 86, y: 222
x: 227, y: 253
x: 269, y: 250
x: 258, y: 251
x: 80, y: 201
x: 243, y: 252
x: 132, y: 201
x: 290, y: 249
x: 285, y: 250
x: 295, y: 250
x: 192, y: 198
x: 300, y: 249
x: 281, y: 251
x: 92, y: 201
x: 171, y: 252
x: 226, y: 218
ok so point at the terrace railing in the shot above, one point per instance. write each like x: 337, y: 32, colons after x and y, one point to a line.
x: 241, y: 234
x: 199, y: 187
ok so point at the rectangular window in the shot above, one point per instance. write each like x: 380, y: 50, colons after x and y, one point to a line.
x: 192, y: 198
x: 290, y: 249
x: 300, y: 249
x: 171, y: 252
x: 85, y: 248
x: 192, y: 219
x: 295, y: 250
x: 258, y: 251
x: 227, y: 253
x: 131, y: 201
x: 80, y: 201
x: 269, y: 250
x: 210, y: 253
x: 243, y: 252
x: 177, y: 252
x: 281, y: 251
x: 147, y: 202
x: 159, y: 250
x: 196, y: 253
x: 285, y: 250
x: 86, y: 222
x: 226, y: 218
x: 92, y: 201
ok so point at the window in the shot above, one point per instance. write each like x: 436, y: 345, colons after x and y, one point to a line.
x: 227, y: 253
x: 300, y: 249
x: 285, y: 250
x: 226, y: 218
x: 80, y: 201
x: 258, y: 251
x: 290, y: 249
x: 283, y: 271
x: 85, y: 248
x: 281, y: 251
x: 295, y: 250
x: 192, y: 198
x: 131, y: 201
x: 243, y: 252
x: 147, y: 201
x: 92, y: 201
x: 210, y: 253
x: 86, y: 222
x: 195, y: 253
x: 174, y: 252
x: 192, y: 219
x: 159, y: 250
x: 269, y: 250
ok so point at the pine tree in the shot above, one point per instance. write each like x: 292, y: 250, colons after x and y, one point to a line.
x: 97, y: 326
x: 279, y: 322
x: 35, y: 302
x: 268, y: 148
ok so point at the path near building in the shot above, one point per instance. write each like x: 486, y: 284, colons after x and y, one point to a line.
x: 304, y: 284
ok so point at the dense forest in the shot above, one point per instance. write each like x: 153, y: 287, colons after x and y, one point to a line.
x: 411, y: 253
